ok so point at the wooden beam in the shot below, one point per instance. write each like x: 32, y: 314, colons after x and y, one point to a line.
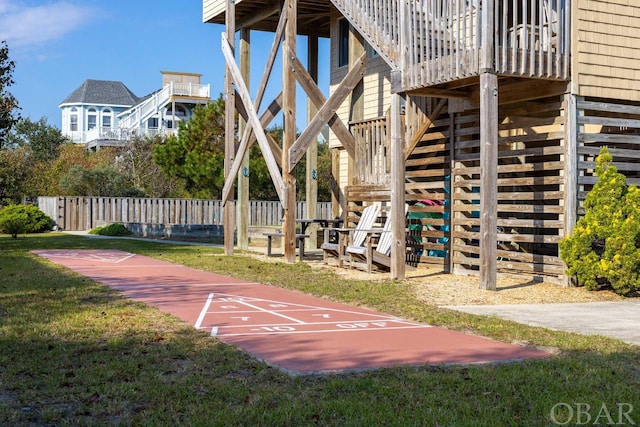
x: 335, y: 183
x: 317, y: 98
x: 398, y: 223
x: 356, y: 49
x: 327, y: 111
x: 242, y: 212
x: 237, y: 102
x: 440, y: 93
x: 261, y: 89
x: 311, y: 183
x: 570, y: 189
x: 270, y: 60
x: 260, y: 14
x: 228, y: 215
x: 245, y: 145
x: 486, y: 37
x: 523, y: 90
x: 289, y: 136
x: 253, y: 119
x: 488, y: 180
x: 423, y: 128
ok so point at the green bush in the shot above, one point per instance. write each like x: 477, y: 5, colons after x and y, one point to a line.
x: 604, y: 250
x: 17, y: 219
x: 111, y: 230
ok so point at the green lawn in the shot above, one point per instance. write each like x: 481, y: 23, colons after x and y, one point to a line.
x: 73, y: 352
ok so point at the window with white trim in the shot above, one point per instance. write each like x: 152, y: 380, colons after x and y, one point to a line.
x: 92, y: 119
x: 106, y: 118
x: 73, y: 120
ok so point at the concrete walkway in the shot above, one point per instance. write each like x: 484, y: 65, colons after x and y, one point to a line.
x: 618, y: 319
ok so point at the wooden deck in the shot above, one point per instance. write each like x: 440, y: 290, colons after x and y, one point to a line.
x: 433, y: 42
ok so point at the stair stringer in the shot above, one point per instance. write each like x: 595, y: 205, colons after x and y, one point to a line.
x: 372, y: 32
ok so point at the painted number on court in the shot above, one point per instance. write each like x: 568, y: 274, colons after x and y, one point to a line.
x: 362, y: 325
x: 276, y: 328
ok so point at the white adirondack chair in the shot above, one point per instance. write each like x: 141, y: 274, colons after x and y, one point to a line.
x: 366, y: 255
x: 350, y: 236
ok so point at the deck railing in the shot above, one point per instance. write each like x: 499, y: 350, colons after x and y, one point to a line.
x: 122, y: 134
x: 136, y: 115
x: 372, y: 147
x: 438, y: 41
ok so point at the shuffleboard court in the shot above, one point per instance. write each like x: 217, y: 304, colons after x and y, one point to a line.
x: 295, y: 332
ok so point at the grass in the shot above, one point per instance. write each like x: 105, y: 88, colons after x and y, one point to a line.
x: 74, y: 352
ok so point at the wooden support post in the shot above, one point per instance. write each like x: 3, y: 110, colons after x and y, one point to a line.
x: 311, y: 188
x: 229, y: 220
x: 398, y: 223
x: 449, y: 266
x: 570, y: 185
x: 243, y: 177
x: 356, y: 110
x: 488, y: 180
x: 335, y: 183
x: 289, y: 137
x: 488, y: 153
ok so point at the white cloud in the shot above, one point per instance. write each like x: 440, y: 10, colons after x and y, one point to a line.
x: 33, y: 26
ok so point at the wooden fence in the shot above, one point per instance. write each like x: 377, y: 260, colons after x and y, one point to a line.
x: 85, y: 213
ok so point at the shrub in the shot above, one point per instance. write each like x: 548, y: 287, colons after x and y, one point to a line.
x: 17, y: 219
x: 111, y: 230
x: 604, y: 250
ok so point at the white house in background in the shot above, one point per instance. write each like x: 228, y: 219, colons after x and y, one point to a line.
x: 107, y: 113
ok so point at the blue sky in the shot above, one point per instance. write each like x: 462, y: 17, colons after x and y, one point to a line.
x: 58, y: 44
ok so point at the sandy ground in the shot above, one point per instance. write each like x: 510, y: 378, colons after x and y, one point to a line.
x: 441, y: 289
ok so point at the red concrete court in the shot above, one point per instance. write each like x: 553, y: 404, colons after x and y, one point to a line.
x: 295, y: 332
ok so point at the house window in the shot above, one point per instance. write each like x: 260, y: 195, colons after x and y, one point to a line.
x: 371, y: 52
x: 92, y: 119
x: 106, y: 118
x: 152, y: 123
x: 343, y: 42
x: 73, y: 123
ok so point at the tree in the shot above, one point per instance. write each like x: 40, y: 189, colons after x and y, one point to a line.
x: 8, y: 104
x: 14, y: 170
x: 104, y: 181
x: 135, y: 163
x: 604, y: 249
x: 197, y: 153
x: 45, y: 177
x: 42, y: 139
x: 260, y: 184
x: 324, y: 172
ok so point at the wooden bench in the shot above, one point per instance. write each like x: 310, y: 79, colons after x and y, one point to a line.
x: 299, y: 241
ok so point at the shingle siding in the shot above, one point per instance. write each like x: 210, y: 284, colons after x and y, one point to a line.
x: 606, y: 48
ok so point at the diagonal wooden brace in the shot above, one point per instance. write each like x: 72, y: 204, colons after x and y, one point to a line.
x: 318, y: 99
x: 248, y: 141
x: 425, y: 127
x: 252, y: 118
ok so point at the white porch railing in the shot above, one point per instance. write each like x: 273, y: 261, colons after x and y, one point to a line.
x: 138, y: 114
x: 122, y: 134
